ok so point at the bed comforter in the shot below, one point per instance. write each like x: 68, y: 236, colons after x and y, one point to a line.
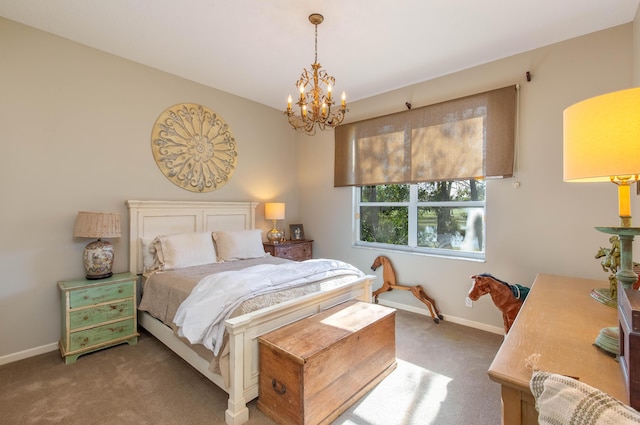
x: 200, y: 318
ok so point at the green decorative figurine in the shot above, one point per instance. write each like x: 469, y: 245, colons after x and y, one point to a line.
x: 611, y: 264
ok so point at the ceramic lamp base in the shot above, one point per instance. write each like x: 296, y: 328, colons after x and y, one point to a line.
x: 98, y: 259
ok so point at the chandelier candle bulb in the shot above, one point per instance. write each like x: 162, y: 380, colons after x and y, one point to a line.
x: 344, y: 100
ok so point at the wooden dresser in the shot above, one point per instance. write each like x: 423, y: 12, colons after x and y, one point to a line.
x: 292, y: 250
x: 559, y: 321
x: 97, y: 314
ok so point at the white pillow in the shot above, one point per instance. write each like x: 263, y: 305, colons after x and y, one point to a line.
x: 564, y: 400
x: 147, y: 256
x: 239, y: 244
x: 184, y: 250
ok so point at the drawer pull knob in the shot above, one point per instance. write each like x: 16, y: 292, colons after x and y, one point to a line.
x: 278, y: 387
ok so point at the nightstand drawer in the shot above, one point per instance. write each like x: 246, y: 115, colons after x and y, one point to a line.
x: 101, y: 334
x: 100, y: 294
x: 292, y: 250
x: 100, y: 314
x: 296, y: 252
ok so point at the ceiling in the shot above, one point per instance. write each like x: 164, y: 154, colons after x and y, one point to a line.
x: 256, y: 49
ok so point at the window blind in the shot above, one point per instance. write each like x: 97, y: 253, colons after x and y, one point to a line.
x: 467, y: 138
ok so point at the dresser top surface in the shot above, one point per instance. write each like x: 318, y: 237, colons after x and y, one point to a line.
x: 84, y: 283
x: 560, y: 321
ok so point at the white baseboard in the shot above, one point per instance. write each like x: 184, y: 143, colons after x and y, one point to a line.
x: 14, y: 357
x: 452, y: 319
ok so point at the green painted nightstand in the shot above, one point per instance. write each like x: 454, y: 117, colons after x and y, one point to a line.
x: 97, y: 314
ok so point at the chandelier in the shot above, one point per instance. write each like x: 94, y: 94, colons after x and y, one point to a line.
x: 315, y: 106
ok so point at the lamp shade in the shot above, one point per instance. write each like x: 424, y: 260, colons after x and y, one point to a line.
x: 274, y: 210
x: 97, y: 225
x: 602, y: 137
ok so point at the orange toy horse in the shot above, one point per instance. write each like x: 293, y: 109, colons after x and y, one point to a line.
x: 389, y: 277
x: 508, y: 298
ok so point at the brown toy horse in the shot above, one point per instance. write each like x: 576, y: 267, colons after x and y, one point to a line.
x: 389, y: 283
x: 508, y: 298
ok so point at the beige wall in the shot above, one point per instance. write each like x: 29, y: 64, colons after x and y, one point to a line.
x: 544, y: 226
x: 76, y: 127
x: 76, y: 135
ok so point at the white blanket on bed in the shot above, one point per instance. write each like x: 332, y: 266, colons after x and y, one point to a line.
x: 200, y: 318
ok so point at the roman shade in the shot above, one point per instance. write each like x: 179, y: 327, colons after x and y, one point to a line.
x: 467, y: 138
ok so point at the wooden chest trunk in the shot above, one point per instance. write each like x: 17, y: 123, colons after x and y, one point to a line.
x: 313, y: 370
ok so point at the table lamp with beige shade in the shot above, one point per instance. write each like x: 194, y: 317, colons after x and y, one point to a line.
x: 98, y: 255
x: 274, y: 211
x: 602, y: 144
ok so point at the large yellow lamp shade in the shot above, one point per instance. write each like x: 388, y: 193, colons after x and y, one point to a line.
x: 602, y: 143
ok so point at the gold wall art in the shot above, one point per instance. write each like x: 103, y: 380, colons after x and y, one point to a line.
x: 194, y: 147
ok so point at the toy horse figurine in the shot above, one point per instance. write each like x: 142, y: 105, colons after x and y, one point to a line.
x: 508, y: 298
x: 389, y: 283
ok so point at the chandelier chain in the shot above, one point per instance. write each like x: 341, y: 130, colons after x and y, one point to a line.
x: 315, y: 58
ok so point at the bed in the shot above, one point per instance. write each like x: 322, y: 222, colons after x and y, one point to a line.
x: 148, y: 219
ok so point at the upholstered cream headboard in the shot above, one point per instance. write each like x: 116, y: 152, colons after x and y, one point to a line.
x: 148, y: 219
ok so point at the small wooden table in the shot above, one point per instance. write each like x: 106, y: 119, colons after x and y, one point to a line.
x: 559, y: 321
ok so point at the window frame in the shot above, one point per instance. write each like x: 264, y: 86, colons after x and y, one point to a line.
x: 412, y: 211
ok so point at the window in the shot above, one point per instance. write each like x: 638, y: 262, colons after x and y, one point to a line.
x: 419, y: 175
x: 440, y: 218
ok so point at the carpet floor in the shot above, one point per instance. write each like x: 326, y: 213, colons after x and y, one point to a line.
x: 441, y: 379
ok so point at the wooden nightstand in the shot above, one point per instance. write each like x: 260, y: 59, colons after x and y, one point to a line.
x: 97, y: 314
x: 292, y: 250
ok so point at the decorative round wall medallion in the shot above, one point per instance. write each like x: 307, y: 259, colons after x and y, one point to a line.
x: 194, y: 147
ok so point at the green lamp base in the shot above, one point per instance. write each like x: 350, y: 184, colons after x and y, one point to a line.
x: 604, y: 295
x: 609, y: 340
